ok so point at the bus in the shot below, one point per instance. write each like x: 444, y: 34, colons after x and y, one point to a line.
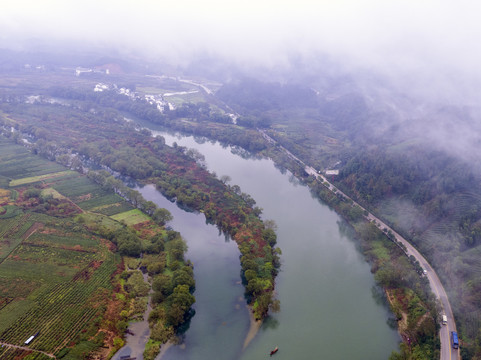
x: 454, y: 339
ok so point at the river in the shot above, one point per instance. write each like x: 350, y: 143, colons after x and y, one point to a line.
x: 330, y: 307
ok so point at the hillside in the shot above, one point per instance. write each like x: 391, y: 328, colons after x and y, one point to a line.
x: 411, y: 163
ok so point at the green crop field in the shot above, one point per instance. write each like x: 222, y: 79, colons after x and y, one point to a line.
x: 91, y: 197
x: 77, y: 188
x: 107, y: 204
x: 61, y: 310
x: 33, y: 179
x: 17, y: 162
x: 12, y: 233
x: 55, y: 275
x: 131, y: 217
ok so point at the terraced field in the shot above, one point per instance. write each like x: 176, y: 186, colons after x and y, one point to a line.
x: 55, y: 274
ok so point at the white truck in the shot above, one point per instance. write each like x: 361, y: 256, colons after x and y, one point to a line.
x: 445, y: 320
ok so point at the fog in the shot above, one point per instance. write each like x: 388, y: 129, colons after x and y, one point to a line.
x: 397, y: 37
x: 416, y: 49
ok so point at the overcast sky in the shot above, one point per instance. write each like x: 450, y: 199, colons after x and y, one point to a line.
x: 400, y: 35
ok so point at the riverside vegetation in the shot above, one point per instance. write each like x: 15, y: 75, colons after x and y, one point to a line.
x: 321, y: 133
x: 74, y: 134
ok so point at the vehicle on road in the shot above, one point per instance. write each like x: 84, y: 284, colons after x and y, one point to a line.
x: 445, y: 320
x: 454, y: 340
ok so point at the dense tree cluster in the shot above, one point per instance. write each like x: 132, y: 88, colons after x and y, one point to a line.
x: 172, y: 282
x: 201, y: 118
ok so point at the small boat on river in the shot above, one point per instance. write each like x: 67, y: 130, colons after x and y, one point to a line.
x: 274, y: 351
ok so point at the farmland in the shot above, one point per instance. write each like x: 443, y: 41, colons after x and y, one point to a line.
x: 62, y: 237
x: 132, y: 217
x: 18, y: 163
x: 34, y: 179
x: 55, y: 274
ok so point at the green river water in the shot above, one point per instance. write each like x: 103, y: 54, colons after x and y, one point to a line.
x: 330, y: 307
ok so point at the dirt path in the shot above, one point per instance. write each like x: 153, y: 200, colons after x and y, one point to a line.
x: 27, y: 349
x: 31, y: 230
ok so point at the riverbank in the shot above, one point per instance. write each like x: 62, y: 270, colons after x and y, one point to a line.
x: 409, y: 293
x: 328, y: 306
x: 163, y: 349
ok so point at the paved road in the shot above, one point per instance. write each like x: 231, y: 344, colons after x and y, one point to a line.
x: 186, y: 81
x: 447, y: 353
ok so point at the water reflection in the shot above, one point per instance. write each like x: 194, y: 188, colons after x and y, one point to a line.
x: 325, y: 285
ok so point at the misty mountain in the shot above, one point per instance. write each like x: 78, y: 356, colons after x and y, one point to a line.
x: 251, y: 94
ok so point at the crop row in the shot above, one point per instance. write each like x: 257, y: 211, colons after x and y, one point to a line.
x: 100, y: 204
x: 61, y: 311
x: 7, y: 224
x: 64, y: 240
x: 22, y: 227
x: 27, y: 166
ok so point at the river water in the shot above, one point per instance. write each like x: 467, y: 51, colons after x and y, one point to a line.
x: 330, y: 307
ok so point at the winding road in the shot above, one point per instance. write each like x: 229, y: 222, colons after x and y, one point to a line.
x: 447, y: 352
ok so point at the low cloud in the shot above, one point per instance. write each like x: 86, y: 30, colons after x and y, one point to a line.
x: 392, y: 35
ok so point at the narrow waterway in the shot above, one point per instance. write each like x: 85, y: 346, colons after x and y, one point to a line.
x: 329, y: 304
x: 221, y: 315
